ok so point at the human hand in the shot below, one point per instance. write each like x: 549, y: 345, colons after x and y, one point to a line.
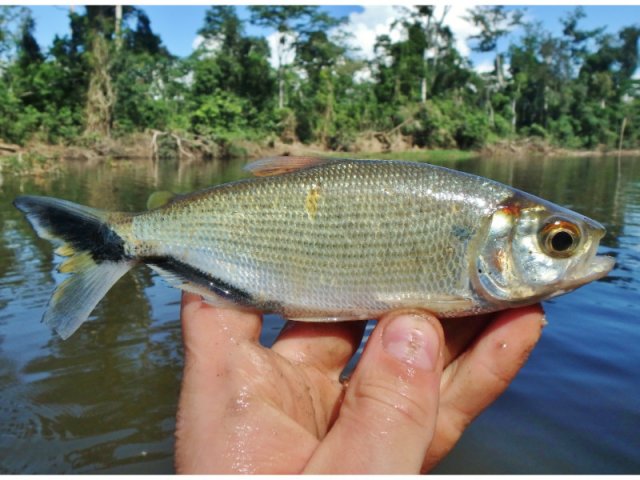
x: 248, y: 409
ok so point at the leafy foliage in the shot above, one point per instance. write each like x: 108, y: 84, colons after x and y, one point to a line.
x: 112, y: 75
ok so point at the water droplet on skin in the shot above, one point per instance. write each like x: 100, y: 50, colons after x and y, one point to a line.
x: 242, y: 401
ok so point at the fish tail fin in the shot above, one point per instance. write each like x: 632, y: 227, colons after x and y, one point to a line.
x: 96, y: 257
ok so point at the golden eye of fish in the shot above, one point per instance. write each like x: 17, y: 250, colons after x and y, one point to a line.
x: 559, y: 238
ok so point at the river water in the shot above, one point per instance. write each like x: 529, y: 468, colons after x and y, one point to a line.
x: 104, y: 401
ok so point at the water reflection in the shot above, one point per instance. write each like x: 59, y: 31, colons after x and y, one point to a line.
x: 104, y: 400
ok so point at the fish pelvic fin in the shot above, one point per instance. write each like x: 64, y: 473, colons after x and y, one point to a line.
x: 96, y: 257
x: 161, y: 198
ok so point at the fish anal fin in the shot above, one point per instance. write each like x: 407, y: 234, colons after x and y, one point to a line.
x: 266, y: 167
x: 208, y: 296
x: 215, y: 300
x: 214, y: 290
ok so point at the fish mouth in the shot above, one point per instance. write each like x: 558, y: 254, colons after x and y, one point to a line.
x: 597, y: 267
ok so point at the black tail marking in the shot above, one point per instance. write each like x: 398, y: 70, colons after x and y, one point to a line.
x: 84, y: 230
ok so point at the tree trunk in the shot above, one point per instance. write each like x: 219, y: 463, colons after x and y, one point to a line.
x: 100, y: 96
x: 280, y: 89
x: 499, y: 72
x: 328, y: 112
x: 490, y: 107
x: 492, y: 120
x: 118, y: 26
x: 281, y: 50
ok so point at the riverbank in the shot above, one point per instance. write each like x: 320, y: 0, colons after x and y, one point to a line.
x: 534, y: 146
x: 39, y: 159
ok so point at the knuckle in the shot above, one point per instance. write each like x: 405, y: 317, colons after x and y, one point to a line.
x: 498, y: 375
x: 458, y: 422
x: 393, y: 402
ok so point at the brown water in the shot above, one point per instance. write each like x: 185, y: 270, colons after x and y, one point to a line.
x: 104, y: 401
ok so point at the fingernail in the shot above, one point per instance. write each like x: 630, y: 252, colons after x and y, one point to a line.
x: 412, y: 339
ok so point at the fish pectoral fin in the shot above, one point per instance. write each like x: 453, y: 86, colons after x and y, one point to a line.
x: 332, y: 318
x: 266, y: 167
x: 447, y: 303
x: 440, y: 303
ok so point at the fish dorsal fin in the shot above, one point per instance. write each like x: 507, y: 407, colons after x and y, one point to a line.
x: 160, y: 199
x: 266, y: 167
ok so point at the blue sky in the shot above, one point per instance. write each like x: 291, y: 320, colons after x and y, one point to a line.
x: 178, y: 25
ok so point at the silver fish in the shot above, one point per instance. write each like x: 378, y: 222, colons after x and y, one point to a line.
x: 321, y: 240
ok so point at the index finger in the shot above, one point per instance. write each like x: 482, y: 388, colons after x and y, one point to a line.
x: 482, y: 372
x: 205, y: 326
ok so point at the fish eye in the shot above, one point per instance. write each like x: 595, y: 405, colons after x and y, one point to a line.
x: 559, y: 238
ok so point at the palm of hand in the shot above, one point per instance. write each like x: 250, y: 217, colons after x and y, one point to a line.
x: 248, y: 409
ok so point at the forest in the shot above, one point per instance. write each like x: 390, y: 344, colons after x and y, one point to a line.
x: 112, y: 77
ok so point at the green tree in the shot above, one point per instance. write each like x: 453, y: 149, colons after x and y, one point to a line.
x: 295, y: 24
x: 232, y: 85
x: 142, y: 77
x: 319, y: 54
x: 495, y: 22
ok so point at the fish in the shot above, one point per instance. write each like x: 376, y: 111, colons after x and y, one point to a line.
x: 321, y: 239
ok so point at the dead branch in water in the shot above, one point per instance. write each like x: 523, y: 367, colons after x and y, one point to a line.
x: 182, y: 151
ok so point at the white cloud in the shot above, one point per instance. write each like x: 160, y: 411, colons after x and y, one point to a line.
x: 367, y: 25
x: 287, y: 53
x: 197, y: 41
x: 208, y: 47
x: 376, y: 20
x: 461, y: 28
x: 362, y: 75
x: 484, y: 67
x: 364, y: 26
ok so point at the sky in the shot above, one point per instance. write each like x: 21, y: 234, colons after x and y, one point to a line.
x: 178, y: 25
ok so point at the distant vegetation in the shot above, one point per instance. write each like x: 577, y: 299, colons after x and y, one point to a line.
x: 113, y: 78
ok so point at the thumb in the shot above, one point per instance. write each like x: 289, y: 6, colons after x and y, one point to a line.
x: 388, y: 416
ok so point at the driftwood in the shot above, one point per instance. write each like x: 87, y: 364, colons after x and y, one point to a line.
x: 384, y: 137
x: 179, y: 143
x: 188, y: 146
x: 9, y: 148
